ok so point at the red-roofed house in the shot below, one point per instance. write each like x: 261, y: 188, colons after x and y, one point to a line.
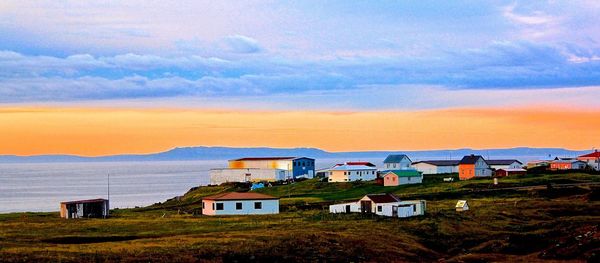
x: 592, y: 159
x: 235, y: 203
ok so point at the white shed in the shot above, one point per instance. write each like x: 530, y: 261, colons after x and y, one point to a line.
x: 462, y: 205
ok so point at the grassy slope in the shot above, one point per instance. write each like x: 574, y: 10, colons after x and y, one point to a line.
x: 524, y: 225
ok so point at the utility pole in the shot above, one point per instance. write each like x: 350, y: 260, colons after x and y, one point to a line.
x: 108, y: 193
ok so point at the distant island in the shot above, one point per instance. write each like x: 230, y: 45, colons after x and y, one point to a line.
x: 223, y: 153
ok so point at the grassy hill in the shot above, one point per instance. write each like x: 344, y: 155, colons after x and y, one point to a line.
x: 532, y: 224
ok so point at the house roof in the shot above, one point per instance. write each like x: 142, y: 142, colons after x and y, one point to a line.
x: 470, y: 159
x: 567, y: 161
x: 513, y: 170
x: 360, y: 163
x: 85, y: 201
x: 403, y: 173
x: 240, y: 196
x: 395, y: 158
x: 502, y: 162
x: 461, y: 203
x: 595, y: 154
x: 439, y: 162
x: 346, y: 167
x: 383, y: 198
x: 268, y: 158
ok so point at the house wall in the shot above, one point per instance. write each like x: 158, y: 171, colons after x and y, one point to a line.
x: 299, y: 167
x: 560, y: 166
x: 219, y: 176
x: 352, y: 175
x: 390, y: 179
x: 514, y: 165
x: 229, y: 207
x: 466, y: 171
x: 404, y: 164
x: 411, y: 180
x: 341, y: 208
x: 426, y: 168
x: 593, y: 162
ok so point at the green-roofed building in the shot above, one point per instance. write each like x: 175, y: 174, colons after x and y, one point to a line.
x: 400, y: 177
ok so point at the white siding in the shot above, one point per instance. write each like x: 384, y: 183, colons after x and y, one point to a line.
x: 229, y: 207
x: 342, y: 208
x: 426, y: 168
x: 219, y: 176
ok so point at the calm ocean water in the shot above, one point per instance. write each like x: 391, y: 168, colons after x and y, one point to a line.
x: 37, y: 187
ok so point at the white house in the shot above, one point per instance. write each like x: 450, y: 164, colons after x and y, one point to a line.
x: 436, y: 166
x: 505, y: 164
x: 234, y: 203
x: 349, y: 172
x: 397, y: 162
x: 383, y: 205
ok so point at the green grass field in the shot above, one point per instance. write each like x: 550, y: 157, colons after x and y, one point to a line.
x: 555, y: 224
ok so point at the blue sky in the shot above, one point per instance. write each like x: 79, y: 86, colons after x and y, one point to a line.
x: 364, y: 55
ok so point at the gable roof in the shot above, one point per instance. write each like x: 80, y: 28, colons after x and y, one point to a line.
x: 395, y: 158
x: 568, y: 161
x: 440, y: 162
x: 240, y: 196
x: 360, y: 163
x: 502, y: 162
x: 595, y: 154
x: 403, y: 173
x: 461, y: 204
x: 383, y: 198
x: 470, y: 159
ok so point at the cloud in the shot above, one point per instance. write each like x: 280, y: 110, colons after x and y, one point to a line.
x: 535, y: 18
x: 242, y: 44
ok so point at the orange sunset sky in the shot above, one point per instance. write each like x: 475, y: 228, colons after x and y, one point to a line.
x: 120, y: 77
x: 98, y: 131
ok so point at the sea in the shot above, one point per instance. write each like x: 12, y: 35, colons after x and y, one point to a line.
x: 40, y: 187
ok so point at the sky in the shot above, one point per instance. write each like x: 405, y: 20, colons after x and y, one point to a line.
x: 86, y: 78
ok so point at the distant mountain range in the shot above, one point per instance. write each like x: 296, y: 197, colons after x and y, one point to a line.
x: 223, y: 153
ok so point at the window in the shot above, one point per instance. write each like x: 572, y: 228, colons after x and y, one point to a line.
x: 257, y: 205
x: 394, y: 179
x: 219, y: 206
x: 202, y: 205
x: 409, y: 179
x: 238, y: 206
x: 379, y: 208
x: 414, y: 208
x: 213, y: 206
x: 394, y: 165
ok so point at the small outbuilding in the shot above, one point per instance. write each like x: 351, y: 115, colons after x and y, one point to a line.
x: 400, y: 177
x: 234, y: 203
x: 462, y: 205
x: 510, y: 172
x: 92, y: 208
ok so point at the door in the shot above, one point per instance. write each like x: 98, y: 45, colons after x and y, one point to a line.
x: 365, y: 207
x: 348, y: 209
x: 394, y: 211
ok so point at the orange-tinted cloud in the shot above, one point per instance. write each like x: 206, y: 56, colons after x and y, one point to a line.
x: 87, y: 131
